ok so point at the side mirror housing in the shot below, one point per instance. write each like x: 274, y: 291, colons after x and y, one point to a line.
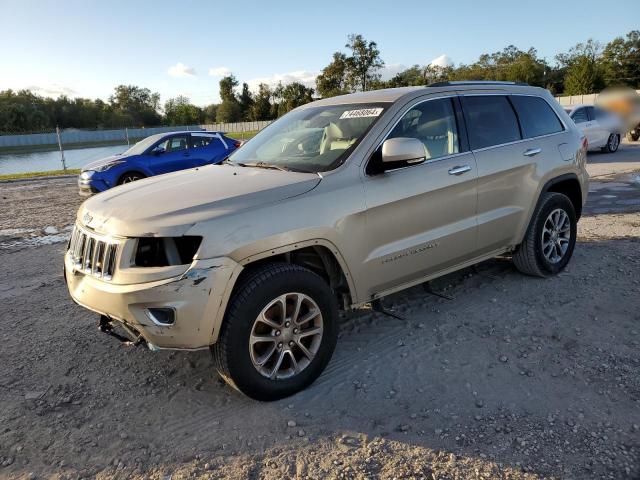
x: 396, y: 151
x: 157, y: 151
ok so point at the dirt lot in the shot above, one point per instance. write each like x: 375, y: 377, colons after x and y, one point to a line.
x: 514, y: 378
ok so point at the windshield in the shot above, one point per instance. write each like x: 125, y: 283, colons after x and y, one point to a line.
x: 314, y: 139
x: 140, y: 147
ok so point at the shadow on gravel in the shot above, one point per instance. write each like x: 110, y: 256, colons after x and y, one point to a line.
x: 513, y: 377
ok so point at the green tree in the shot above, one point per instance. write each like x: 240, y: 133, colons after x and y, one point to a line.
x: 290, y: 96
x: 582, y: 68
x: 138, y: 104
x: 364, y: 62
x: 229, y: 110
x: 621, y: 61
x: 209, y: 112
x: 246, y: 101
x: 261, y: 108
x: 180, y: 111
x: 332, y: 80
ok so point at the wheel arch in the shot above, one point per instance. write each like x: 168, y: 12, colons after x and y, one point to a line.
x: 318, y: 255
x: 129, y: 171
x: 569, y: 185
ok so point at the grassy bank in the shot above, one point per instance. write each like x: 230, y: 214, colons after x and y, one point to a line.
x: 50, y: 173
x: 106, y: 143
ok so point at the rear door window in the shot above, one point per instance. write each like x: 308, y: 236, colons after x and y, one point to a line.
x: 591, y: 113
x: 490, y: 120
x: 536, y: 116
x: 580, y: 116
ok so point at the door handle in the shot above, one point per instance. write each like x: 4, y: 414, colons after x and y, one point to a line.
x: 531, y: 152
x: 459, y: 170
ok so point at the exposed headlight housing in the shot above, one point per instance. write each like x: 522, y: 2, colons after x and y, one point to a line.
x: 166, y: 251
x: 109, y: 165
x: 86, y: 174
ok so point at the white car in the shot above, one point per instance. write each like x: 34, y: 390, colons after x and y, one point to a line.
x: 601, y: 127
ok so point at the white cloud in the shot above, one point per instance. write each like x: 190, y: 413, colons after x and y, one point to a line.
x: 441, y: 61
x: 389, y: 71
x: 220, y: 72
x: 305, y: 77
x: 181, y: 70
x: 52, y: 90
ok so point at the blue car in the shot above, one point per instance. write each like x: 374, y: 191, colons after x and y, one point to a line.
x: 157, y: 154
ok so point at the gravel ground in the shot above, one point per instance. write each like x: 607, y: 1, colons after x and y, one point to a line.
x: 514, y: 378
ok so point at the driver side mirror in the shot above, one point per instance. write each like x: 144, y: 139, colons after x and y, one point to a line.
x: 158, y: 150
x: 407, y: 150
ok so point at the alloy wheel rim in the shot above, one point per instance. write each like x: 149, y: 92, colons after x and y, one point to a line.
x: 286, y: 336
x: 613, y: 142
x: 129, y: 179
x: 556, y: 234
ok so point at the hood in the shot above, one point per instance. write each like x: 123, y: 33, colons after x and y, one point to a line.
x: 168, y: 205
x: 102, y: 161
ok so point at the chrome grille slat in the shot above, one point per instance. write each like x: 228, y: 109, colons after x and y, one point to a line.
x: 93, y: 255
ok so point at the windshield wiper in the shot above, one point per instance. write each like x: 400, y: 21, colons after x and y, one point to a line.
x: 267, y: 165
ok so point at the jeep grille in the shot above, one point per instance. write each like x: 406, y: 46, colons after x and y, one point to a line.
x: 93, y: 255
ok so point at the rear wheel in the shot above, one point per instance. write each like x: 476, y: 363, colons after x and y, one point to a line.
x: 130, y: 177
x: 550, y: 238
x: 279, y: 332
x: 612, y: 143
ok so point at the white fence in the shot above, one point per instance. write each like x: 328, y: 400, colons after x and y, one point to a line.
x: 72, y: 135
x: 589, y: 99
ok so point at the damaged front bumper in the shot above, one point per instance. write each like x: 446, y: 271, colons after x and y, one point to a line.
x: 195, y: 298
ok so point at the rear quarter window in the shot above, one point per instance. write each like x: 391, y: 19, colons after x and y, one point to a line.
x: 536, y: 116
x: 491, y: 120
x: 580, y: 115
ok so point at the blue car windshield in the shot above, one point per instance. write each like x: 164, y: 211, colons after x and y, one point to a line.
x: 142, y: 146
x: 311, y: 139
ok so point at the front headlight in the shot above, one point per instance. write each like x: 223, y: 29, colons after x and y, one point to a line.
x: 109, y: 165
x: 86, y: 174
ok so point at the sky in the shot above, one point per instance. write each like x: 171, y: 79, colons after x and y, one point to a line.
x: 85, y: 48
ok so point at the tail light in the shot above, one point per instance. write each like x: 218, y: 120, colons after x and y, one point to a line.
x: 585, y: 144
x: 238, y: 143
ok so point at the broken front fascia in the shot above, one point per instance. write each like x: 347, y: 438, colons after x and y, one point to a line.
x: 198, y: 297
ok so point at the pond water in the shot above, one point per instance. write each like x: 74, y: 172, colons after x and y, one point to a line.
x: 44, y: 161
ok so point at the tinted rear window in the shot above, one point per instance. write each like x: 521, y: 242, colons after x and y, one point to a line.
x: 491, y: 120
x: 536, y: 116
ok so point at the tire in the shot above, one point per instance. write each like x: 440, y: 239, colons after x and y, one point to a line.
x: 237, y: 359
x: 130, y: 177
x: 613, y: 142
x: 531, y: 257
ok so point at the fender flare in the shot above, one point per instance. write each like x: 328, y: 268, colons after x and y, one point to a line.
x: 240, y: 266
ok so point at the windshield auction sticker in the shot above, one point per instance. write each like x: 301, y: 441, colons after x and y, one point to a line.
x: 362, y: 113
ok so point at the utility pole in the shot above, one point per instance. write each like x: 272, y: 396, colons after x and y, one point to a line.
x: 126, y: 132
x: 64, y: 164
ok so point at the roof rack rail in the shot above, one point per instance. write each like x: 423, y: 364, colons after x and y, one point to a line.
x: 476, y: 82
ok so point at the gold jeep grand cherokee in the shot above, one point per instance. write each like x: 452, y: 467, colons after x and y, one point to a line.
x: 338, y: 203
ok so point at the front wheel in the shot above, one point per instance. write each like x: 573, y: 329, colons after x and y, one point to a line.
x: 550, y: 239
x: 130, y: 177
x: 279, y: 332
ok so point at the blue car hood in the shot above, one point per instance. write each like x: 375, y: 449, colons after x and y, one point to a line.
x: 103, y: 161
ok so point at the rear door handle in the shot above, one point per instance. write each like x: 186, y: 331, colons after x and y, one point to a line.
x: 459, y: 170
x: 531, y: 152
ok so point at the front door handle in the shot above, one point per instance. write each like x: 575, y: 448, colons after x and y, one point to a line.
x: 459, y: 170
x: 531, y: 152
